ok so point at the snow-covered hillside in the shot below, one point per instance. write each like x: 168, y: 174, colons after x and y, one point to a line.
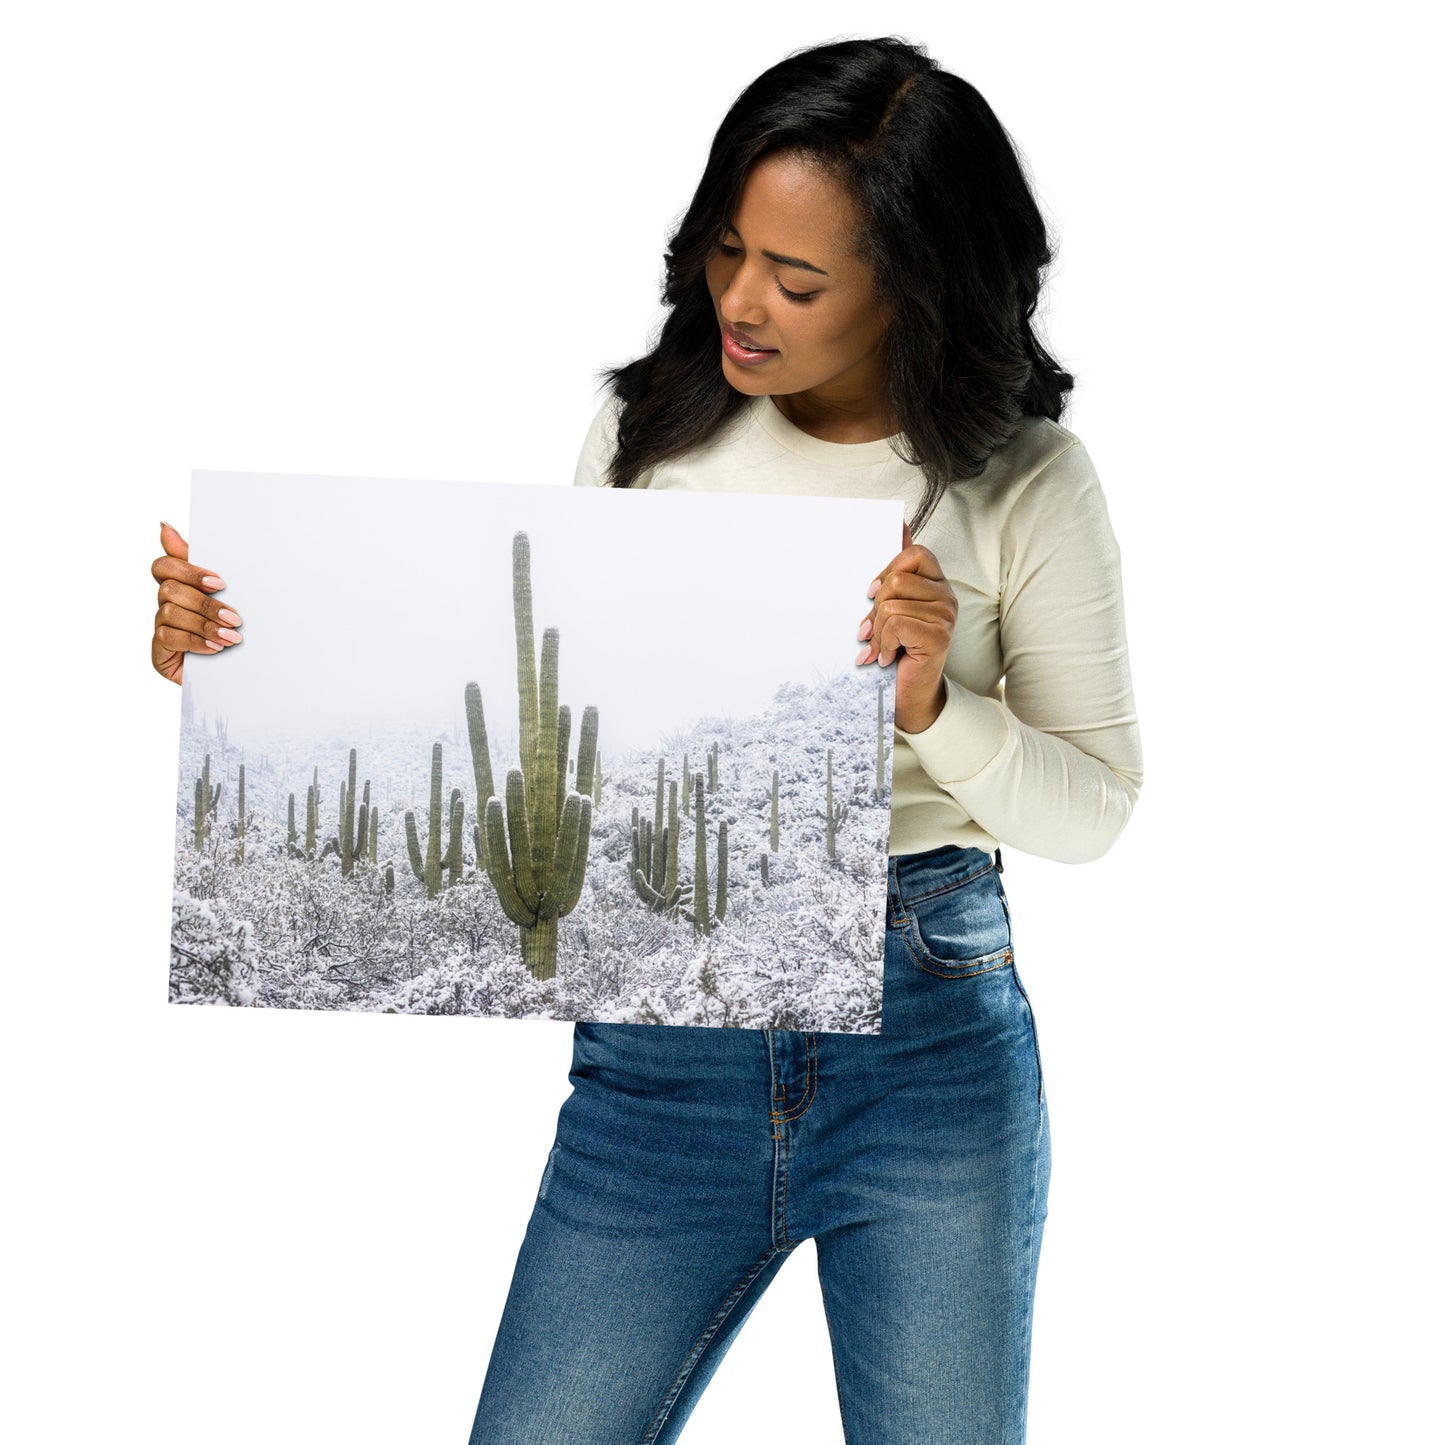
x: 802, y: 951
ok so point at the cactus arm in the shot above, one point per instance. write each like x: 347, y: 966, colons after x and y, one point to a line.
x: 571, y: 889
x: 481, y: 753
x: 564, y: 743
x: 413, y: 847
x: 499, y: 872
x: 588, y: 773
x: 523, y: 878
x: 542, y: 784
x: 526, y: 646
x: 454, y: 848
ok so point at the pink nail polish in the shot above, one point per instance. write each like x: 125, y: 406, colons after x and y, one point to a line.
x: 231, y: 619
x: 877, y: 583
x: 861, y: 656
x: 212, y: 582
x: 866, y: 628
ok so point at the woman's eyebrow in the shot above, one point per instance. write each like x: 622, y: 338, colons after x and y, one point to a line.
x: 783, y: 260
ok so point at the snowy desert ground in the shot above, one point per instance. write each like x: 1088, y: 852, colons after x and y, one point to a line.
x: 352, y: 875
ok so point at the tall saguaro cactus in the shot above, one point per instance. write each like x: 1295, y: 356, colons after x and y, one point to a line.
x: 537, y: 849
x: 207, y: 800
x: 833, y: 815
x: 654, y: 855
x: 429, y: 870
x: 701, y: 914
x: 241, y: 813
x: 878, y: 790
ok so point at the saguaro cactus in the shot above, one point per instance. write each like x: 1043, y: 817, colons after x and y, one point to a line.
x: 833, y: 816
x: 878, y: 788
x: 207, y: 800
x: 654, y: 855
x: 773, y: 822
x: 537, y: 849
x: 712, y: 769
x: 240, y: 813
x: 353, y: 823
x: 701, y: 915
x: 429, y: 870
x: 481, y: 766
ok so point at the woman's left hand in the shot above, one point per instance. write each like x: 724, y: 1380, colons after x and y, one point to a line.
x: 914, y: 610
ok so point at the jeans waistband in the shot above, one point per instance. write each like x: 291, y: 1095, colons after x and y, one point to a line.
x: 915, y: 875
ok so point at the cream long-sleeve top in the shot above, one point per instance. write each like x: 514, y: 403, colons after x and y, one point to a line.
x: 1037, y: 746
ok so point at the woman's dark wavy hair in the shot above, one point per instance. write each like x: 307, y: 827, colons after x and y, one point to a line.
x: 949, y: 226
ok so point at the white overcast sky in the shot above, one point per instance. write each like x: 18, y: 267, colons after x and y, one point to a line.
x: 369, y: 601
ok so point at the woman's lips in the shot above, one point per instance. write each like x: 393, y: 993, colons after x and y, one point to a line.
x: 740, y: 351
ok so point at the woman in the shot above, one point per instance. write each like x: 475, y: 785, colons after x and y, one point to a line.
x: 849, y: 298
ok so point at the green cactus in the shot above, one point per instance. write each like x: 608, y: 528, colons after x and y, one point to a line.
x: 390, y: 877
x: 547, y: 828
x: 313, y: 812
x: 372, y: 831
x: 207, y: 801
x: 764, y: 865
x: 701, y: 915
x: 654, y: 855
x: 240, y: 813
x: 712, y: 769
x: 429, y: 870
x: 481, y: 766
x: 878, y: 788
x: 350, y: 842
x: 773, y: 822
x: 294, y: 848
x: 832, y: 816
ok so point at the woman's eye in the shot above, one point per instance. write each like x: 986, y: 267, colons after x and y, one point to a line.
x: 726, y: 250
x: 796, y: 295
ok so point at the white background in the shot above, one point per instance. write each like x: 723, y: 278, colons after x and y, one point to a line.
x: 398, y: 240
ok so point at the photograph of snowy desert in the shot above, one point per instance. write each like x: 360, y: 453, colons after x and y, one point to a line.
x: 527, y: 751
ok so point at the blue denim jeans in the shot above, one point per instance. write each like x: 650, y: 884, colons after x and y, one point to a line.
x: 690, y: 1162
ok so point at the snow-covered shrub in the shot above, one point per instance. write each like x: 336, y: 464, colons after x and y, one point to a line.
x: 212, y: 957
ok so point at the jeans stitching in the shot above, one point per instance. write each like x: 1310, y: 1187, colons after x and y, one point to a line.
x: 955, y: 883
x: 711, y: 1328
x: 810, y: 1083
x: 941, y: 968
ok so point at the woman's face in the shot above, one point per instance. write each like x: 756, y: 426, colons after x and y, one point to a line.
x: 790, y: 235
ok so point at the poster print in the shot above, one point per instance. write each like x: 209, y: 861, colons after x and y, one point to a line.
x: 527, y: 751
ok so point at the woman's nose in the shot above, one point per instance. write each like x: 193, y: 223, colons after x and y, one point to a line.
x: 741, y: 302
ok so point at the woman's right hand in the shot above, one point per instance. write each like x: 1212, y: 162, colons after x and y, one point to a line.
x: 188, y: 619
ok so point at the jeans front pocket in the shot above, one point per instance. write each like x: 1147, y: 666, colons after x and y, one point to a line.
x: 960, y: 929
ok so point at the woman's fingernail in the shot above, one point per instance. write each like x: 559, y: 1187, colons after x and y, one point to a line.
x: 877, y: 583
x: 866, y: 628
x: 229, y: 617
x: 212, y: 582
x: 229, y: 634
x: 861, y: 656
x: 214, y: 646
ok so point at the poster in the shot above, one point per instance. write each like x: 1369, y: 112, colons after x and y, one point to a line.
x: 524, y: 751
